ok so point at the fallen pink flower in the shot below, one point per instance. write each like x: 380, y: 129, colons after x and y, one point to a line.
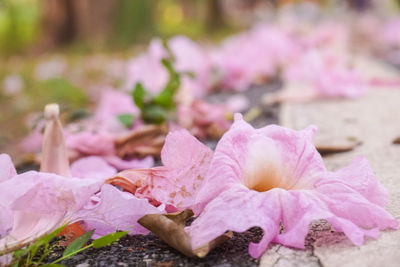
x: 205, y: 120
x: 190, y: 57
x: 253, y: 56
x: 273, y: 177
x: 39, y: 202
x: 175, y: 184
x: 112, y: 209
x: 36, y: 203
x: 323, y: 75
x: 111, y: 104
x: 147, y: 68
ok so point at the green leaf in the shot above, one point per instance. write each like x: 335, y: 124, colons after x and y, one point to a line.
x: 126, y: 119
x: 53, y: 265
x: 47, y: 238
x: 21, y: 252
x: 139, y: 94
x: 154, y: 114
x: 166, y: 97
x: 78, y: 243
x: 108, y: 239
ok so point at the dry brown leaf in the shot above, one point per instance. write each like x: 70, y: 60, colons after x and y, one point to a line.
x: 170, y: 228
x: 325, y: 149
x: 396, y: 141
x: 147, y: 140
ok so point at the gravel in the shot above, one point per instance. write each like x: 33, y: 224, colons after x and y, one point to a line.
x: 149, y: 250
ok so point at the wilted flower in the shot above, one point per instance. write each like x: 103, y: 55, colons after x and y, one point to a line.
x: 274, y: 177
x: 185, y: 163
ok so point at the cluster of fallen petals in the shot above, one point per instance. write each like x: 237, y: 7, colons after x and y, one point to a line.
x: 272, y: 178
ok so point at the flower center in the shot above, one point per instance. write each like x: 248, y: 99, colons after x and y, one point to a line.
x: 263, y: 169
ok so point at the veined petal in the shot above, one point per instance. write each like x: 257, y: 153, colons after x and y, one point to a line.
x: 238, y: 209
x: 262, y: 159
x: 186, y: 162
x: 360, y: 177
x: 112, y: 209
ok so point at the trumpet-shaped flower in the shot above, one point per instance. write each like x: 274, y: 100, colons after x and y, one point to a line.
x: 273, y: 177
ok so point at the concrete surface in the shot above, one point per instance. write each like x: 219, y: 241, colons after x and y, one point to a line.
x: 375, y: 121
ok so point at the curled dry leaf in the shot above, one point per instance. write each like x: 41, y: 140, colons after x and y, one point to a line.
x: 396, y: 141
x: 171, y: 229
x: 326, y: 148
x: 146, y: 140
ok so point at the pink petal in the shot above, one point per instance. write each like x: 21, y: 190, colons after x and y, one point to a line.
x: 112, y: 210
x: 92, y: 167
x: 360, y: 177
x: 190, y: 57
x: 121, y: 164
x: 349, y: 204
x: 238, y: 209
x: 113, y: 103
x: 7, y: 169
x: 147, y: 68
x: 42, y: 202
x: 187, y: 161
x: 91, y: 143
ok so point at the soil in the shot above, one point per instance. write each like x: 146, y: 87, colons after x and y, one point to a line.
x: 149, y: 250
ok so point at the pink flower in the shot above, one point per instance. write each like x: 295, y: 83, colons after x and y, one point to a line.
x: 36, y: 203
x: 185, y: 161
x: 391, y: 33
x: 325, y: 75
x: 205, y: 120
x: 253, y: 56
x: 190, y: 57
x: 274, y: 176
x: 113, y: 103
x: 147, y: 69
x: 112, y: 209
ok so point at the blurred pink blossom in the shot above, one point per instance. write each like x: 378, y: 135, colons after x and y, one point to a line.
x: 147, y: 69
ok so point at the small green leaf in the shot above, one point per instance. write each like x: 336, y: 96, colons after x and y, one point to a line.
x: 21, y: 252
x: 154, y: 114
x: 139, y: 94
x: 166, y: 97
x: 78, y: 243
x: 108, y: 239
x: 47, y: 238
x: 126, y: 119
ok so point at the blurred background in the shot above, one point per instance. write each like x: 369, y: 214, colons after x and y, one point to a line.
x: 66, y: 50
